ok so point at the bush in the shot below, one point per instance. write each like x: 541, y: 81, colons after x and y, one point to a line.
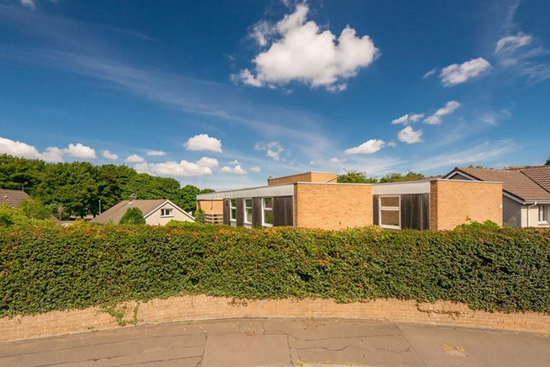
x: 132, y: 216
x: 488, y: 224
x: 55, y: 268
x: 16, y: 217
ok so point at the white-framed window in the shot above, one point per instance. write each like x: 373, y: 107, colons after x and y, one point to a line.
x: 389, y: 212
x: 233, y: 211
x: 167, y: 212
x: 248, y: 211
x: 544, y: 213
x: 267, y: 212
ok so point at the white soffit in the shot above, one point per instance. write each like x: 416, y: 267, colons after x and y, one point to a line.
x: 397, y: 188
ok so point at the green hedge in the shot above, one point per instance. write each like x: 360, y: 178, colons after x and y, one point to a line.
x: 43, y: 269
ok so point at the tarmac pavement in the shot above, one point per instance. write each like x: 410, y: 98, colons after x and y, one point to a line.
x: 282, y: 343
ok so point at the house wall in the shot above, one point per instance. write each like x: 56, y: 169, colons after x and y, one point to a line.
x: 451, y: 202
x: 211, y: 206
x: 156, y: 219
x: 304, y: 177
x: 530, y: 217
x: 332, y: 206
x: 513, y: 213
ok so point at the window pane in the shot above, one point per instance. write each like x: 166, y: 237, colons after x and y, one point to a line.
x: 248, y: 203
x: 233, y: 213
x: 234, y: 203
x: 389, y: 201
x: 389, y: 217
x: 248, y: 215
x: 268, y: 217
x: 268, y: 202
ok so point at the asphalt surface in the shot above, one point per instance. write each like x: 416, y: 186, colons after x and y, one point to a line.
x: 282, y: 343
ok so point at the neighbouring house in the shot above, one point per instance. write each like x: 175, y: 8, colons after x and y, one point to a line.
x: 155, y: 212
x: 13, y: 197
x: 526, y: 192
x: 317, y: 200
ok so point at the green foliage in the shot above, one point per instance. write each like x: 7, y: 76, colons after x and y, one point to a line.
x: 199, y: 216
x: 470, y: 224
x: 398, y: 177
x: 132, y: 216
x: 34, y: 209
x: 547, y: 162
x: 356, y: 177
x: 76, y: 189
x: 17, y: 217
x: 56, y: 268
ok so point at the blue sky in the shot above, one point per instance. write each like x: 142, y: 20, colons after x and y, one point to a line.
x: 225, y: 93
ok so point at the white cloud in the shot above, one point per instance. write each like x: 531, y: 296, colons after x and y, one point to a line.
x: 509, y: 44
x: 182, y: 168
x: 301, y: 51
x: 108, y: 155
x: 237, y: 170
x: 456, y: 74
x: 429, y: 73
x: 413, y: 117
x: 392, y: 144
x: 29, y: 4
x: 368, y: 147
x: 134, y: 158
x: 204, y: 142
x: 435, y: 119
x: 272, y: 149
x: 255, y: 169
x: 80, y: 151
x: 156, y: 153
x: 335, y: 160
x: 410, y: 136
x: 51, y: 154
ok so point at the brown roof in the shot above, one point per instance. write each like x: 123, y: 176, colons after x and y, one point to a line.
x: 115, y: 213
x: 12, y: 197
x: 514, y: 181
x: 540, y: 174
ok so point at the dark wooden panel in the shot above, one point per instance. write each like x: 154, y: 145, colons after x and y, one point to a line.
x: 283, y: 211
x: 256, y: 212
x: 240, y: 212
x: 375, y: 219
x: 415, y: 211
x: 226, y: 211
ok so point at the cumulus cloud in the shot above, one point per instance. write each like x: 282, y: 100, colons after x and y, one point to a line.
x: 435, y: 119
x: 156, y: 153
x: 182, y: 168
x: 511, y: 43
x: 134, y: 158
x: 29, y: 4
x: 204, y: 142
x: 108, y: 155
x: 410, y: 136
x: 368, y: 147
x: 301, y: 51
x: 405, y: 119
x: 51, y: 154
x: 255, y: 169
x: 272, y: 149
x: 459, y: 73
x: 237, y: 170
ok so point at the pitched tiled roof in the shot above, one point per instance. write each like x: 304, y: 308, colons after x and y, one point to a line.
x: 115, y: 213
x: 12, y: 197
x: 539, y: 174
x: 514, y: 181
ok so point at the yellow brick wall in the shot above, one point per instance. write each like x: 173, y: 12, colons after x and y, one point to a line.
x: 211, y: 206
x: 190, y: 308
x: 336, y: 206
x: 451, y: 202
x: 304, y: 177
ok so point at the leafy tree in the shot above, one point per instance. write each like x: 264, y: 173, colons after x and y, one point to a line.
x: 398, y: 177
x: 132, y: 216
x: 34, y: 209
x: 188, y: 196
x: 14, y: 216
x: 476, y: 166
x: 355, y: 177
x: 547, y: 162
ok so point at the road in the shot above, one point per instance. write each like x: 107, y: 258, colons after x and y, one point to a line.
x: 282, y: 343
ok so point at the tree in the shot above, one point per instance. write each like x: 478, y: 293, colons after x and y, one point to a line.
x: 188, y: 195
x: 355, y: 177
x: 132, y: 216
x: 34, y: 209
x: 398, y: 177
x: 547, y: 162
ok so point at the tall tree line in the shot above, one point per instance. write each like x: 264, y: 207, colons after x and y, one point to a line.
x: 76, y: 189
